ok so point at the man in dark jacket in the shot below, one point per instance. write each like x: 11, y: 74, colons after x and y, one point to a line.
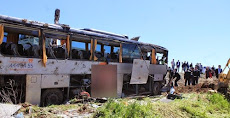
x: 187, y: 65
x: 192, y: 76
x: 177, y: 76
x: 218, y: 71
x: 187, y: 75
x: 183, y: 66
x: 196, y: 74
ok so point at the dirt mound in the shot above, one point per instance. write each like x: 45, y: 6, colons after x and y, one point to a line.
x: 204, y: 85
x: 192, y: 88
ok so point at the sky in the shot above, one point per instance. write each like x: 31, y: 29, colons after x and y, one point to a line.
x: 196, y: 31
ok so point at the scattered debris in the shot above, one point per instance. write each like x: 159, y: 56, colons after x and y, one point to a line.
x: 164, y: 99
x: 212, y: 91
x: 101, y: 100
x: 8, y: 110
x: 20, y: 115
x: 95, y: 106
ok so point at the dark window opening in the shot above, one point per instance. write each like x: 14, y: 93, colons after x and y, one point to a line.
x: 161, y: 58
x: 17, y: 44
x: 107, y: 53
x: 130, y: 52
x: 56, y: 48
x: 80, y: 50
x: 99, y: 53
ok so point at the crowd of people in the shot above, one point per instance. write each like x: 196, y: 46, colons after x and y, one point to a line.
x: 191, y: 73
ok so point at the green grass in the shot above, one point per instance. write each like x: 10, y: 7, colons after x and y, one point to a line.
x: 124, y: 109
x: 194, y: 105
x: 49, y: 111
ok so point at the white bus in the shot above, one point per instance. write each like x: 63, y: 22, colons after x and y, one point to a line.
x: 51, y: 62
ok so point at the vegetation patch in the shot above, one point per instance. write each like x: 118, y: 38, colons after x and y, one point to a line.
x: 197, y: 105
x: 49, y: 111
x: 193, y: 105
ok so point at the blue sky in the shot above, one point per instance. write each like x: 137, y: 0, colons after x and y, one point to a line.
x: 192, y: 30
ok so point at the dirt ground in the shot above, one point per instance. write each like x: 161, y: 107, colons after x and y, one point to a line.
x: 204, y: 85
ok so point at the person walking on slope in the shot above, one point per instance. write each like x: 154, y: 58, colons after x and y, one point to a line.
x: 178, y: 65
x: 173, y: 64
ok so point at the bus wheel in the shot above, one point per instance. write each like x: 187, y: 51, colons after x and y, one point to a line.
x: 156, y: 88
x: 52, y: 96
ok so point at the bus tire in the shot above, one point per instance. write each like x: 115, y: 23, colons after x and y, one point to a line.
x: 156, y: 88
x: 52, y: 96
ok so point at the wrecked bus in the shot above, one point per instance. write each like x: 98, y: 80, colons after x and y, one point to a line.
x: 50, y: 63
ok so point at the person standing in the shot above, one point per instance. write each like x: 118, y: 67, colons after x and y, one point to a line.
x: 182, y: 66
x: 192, y: 76
x: 218, y: 71
x: 213, y: 70
x: 187, y: 75
x: 187, y: 65
x: 208, y: 73
x: 178, y: 65
x: 196, y: 75
x: 173, y: 64
x: 201, y: 68
x: 198, y: 67
x: 191, y: 66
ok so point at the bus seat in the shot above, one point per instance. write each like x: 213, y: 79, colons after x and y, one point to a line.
x: 36, y: 50
x: 10, y: 49
x: 114, y: 55
x: 20, y: 49
x: 80, y: 54
x: 27, y: 49
x: 86, y: 54
x: 75, y: 54
x: 14, y: 49
x: 49, y: 53
x: 55, y: 50
x: 98, y: 55
x: 59, y: 52
x: 3, y: 48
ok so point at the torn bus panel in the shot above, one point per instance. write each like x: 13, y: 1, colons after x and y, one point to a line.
x: 140, y: 71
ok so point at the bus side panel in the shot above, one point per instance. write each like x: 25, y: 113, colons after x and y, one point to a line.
x: 55, y: 81
x: 119, y: 84
x: 33, y: 89
x: 17, y: 65
x: 122, y: 68
x: 158, y: 71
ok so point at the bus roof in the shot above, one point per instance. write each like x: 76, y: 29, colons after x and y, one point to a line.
x: 86, y: 31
